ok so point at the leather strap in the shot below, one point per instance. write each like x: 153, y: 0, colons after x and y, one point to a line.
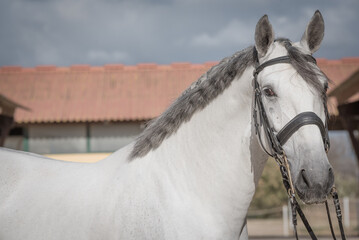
x: 305, y: 221
x: 302, y: 119
x: 338, y: 211
x: 284, y: 59
x: 295, y: 206
x: 330, y: 220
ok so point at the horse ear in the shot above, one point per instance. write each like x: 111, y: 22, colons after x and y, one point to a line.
x: 314, y: 33
x: 264, y: 36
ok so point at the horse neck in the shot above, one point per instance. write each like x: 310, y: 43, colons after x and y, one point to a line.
x: 212, y: 155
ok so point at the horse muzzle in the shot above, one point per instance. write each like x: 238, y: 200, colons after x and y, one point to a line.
x: 314, y: 186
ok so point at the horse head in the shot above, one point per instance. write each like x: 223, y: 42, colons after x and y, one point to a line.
x: 292, y: 91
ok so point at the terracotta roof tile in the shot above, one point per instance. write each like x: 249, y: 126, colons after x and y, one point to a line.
x: 113, y: 92
x: 338, y: 70
x: 46, y: 68
x: 80, y: 68
x: 114, y: 67
x: 11, y: 69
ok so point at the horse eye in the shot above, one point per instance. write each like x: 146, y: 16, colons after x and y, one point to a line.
x: 269, y: 92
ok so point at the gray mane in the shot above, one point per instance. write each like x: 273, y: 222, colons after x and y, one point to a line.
x: 194, y: 99
x: 209, y: 86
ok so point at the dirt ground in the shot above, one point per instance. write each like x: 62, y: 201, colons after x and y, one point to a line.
x: 273, y: 229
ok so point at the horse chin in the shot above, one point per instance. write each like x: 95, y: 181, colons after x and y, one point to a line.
x: 311, y: 196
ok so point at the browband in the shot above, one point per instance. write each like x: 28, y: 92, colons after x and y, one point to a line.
x: 283, y: 59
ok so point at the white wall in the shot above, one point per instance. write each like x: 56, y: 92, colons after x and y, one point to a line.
x: 14, y: 142
x: 112, y: 136
x: 72, y: 138
x: 57, y: 138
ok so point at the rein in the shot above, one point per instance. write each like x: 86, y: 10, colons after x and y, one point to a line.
x: 276, y: 141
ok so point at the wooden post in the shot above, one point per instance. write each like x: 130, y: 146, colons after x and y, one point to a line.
x: 349, y: 125
x: 25, y: 143
x: 349, y: 114
x: 346, y: 211
x: 88, y: 138
x: 5, y: 126
x: 285, y: 220
x: 7, y: 110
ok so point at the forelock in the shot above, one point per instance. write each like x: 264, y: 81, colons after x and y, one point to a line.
x: 305, y: 67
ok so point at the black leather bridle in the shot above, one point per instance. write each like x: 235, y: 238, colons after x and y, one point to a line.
x: 275, y: 141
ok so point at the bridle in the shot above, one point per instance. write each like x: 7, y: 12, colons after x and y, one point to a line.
x: 275, y: 141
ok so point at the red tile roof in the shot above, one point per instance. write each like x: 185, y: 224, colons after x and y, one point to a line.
x: 115, y: 92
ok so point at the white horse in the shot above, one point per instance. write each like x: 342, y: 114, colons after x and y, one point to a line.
x: 193, y: 171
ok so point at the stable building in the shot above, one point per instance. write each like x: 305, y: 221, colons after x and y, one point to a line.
x: 7, y: 110
x: 85, y: 109
x: 346, y: 98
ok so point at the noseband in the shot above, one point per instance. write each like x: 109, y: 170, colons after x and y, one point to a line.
x: 276, y: 140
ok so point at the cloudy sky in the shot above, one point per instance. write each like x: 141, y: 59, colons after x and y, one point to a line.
x: 98, y: 32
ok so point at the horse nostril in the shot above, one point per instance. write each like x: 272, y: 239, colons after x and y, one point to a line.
x: 305, y: 178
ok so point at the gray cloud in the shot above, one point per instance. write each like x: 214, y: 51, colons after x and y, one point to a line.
x: 93, y: 32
